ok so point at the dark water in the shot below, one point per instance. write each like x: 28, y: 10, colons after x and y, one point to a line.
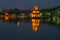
x: 24, y: 32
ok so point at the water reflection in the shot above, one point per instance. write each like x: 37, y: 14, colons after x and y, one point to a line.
x: 35, y: 24
x: 35, y: 18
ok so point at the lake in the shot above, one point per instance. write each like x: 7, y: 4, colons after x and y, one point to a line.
x: 10, y: 31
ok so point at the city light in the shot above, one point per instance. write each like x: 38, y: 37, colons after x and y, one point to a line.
x: 35, y: 16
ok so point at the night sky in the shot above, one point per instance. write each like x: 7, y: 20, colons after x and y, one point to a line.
x: 27, y: 4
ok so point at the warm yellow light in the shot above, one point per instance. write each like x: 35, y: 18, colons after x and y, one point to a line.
x: 34, y: 12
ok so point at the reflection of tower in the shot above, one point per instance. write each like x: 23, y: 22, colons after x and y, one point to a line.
x: 18, y: 23
x: 35, y: 22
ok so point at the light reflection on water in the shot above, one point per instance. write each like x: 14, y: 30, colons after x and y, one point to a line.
x: 45, y: 32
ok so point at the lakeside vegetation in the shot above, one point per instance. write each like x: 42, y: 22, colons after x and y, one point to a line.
x: 52, y: 15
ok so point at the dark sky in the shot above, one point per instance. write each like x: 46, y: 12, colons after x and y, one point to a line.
x: 23, y: 4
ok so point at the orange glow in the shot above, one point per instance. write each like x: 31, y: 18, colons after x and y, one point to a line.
x: 35, y: 24
x: 6, y: 16
x: 35, y: 8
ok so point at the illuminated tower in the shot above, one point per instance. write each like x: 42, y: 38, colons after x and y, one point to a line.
x: 35, y: 22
